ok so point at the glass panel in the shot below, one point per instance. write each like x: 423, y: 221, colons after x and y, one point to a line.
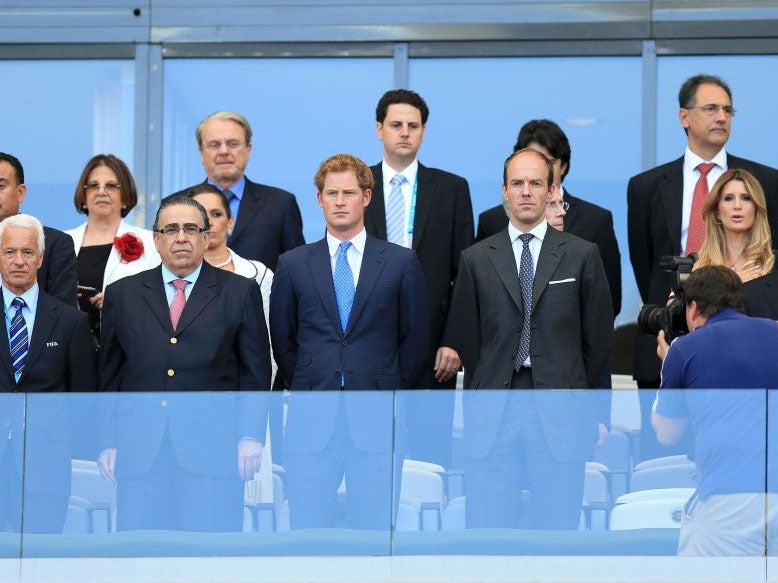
x: 301, y: 111
x: 473, y: 126
x: 12, y: 407
x: 63, y: 113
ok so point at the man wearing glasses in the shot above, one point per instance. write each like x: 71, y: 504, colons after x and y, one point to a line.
x: 180, y: 459
x: 267, y: 219
x: 664, y: 214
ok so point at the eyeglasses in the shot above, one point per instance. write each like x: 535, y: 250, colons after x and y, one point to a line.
x: 711, y: 109
x: 215, y: 145
x: 554, y: 205
x: 94, y: 187
x: 173, y: 229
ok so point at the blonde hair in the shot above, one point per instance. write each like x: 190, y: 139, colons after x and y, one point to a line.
x: 759, y: 248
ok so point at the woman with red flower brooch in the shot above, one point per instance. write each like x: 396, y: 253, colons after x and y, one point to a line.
x: 108, y: 248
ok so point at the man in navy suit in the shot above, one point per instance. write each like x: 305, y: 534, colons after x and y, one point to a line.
x: 57, y: 275
x: 346, y: 313
x: 267, y: 219
x: 436, y: 221
x: 179, y: 459
x: 659, y: 203
x: 46, y: 347
x: 531, y: 310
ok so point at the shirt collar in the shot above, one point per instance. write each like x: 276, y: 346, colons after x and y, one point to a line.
x: 358, y: 241
x: 30, y: 297
x: 168, y: 276
x: 409, y: 172
x: 692, y: 160
x: 236, y: 189
x: 538, y: 230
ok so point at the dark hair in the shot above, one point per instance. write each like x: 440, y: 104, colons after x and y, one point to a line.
x: 405, y: 96
x: 181, y: 200
x: 549, y: 165
x: 688, y: 92
x: 714, y: 287
x: 344, y: 163
x: 123, y: 175
x: 549, y: 135
x: 17, y: 166
x: 206, y: 188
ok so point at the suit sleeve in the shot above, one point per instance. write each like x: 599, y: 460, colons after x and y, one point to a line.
x: 81, y: 357
x: 414, y: 324
x: 61, y: 272
x: 111, y: 358
x: 639, y: 235
x: 283, y: 321
x: 596, y: 318
x: 463, y: 227
x: 254, y: 367
x: 463, y: 325
x: 292, y: 235
x: 611, y: 259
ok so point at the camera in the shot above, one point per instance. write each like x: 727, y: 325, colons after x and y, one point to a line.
x: 672, y: 317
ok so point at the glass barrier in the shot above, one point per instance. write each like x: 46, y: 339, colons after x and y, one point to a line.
x: 551, y: 473
x: 11, y: 495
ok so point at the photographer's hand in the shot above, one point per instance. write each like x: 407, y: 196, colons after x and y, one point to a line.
x: 661, y: 345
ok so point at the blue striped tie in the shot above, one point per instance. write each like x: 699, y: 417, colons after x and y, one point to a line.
x: 19, y: 341
x: 395, y: 212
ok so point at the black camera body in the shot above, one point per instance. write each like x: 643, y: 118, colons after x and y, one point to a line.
x: 672, y: 317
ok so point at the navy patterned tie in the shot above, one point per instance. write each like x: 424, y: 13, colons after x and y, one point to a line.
x: 19, y: 339
x: 344, y: 284
x: 395, y: 212
x: 526, y: 276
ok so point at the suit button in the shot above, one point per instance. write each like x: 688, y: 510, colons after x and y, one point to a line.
x: 344, y: 343
x: 174, y: 340
x: 163, y: 403
x: 170, y: 372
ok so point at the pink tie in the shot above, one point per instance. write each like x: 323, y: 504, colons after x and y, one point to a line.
x: 696, y: 234
x: 178, y: 303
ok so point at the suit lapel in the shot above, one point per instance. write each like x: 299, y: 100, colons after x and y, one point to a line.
x: 321, y: 273
x: 153, y: 294
x: 375, y: 214
x: 504, y: 263
x: 204, y: 291
x: 372, y: 263
x: 670, y: 188
x: 45, y: 318
x: 5, y: 350
x: 551, y: 253
x: 425, y: 192
x: 250, y: 204
x: 571, y: 216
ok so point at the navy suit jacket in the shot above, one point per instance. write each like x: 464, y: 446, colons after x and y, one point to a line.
x: 654, y: 209
x: 269, y: 223
x: 570, y: 341
x: 761, y: 295
x: 586, y: 220
x: 61, y: 358
x: 220, y: 344
x: 442, y: 229
x: 382, y: 348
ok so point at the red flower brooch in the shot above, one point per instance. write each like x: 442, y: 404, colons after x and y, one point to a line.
x: 129, y: 246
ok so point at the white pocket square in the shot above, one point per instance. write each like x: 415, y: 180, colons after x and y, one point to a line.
x: 568, y: 280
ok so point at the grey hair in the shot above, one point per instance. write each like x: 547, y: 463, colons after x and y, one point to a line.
x: 25, y: 222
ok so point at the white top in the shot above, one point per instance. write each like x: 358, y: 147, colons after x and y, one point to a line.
x: 353, y: 255
x: 410, y: 173
x: 690, y: 177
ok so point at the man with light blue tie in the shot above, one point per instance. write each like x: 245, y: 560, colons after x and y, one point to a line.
x: 349, y: 313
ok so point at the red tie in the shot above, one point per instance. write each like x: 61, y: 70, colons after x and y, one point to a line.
x: 178, y: 303
x: 696, y: 234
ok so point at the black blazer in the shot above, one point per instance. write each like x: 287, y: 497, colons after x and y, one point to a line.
x: 761, y: 295
x: 61, y: 358
x: 58, y: 275
x: 584, y: 219
x: 442, y: 229
x: 654, y: 208
x: 269, y: 223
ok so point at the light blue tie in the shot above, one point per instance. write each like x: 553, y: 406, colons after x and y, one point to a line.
x: 344, y: 284
x: 395, y: 212
x: 19, y: 339
x: 526, y: 276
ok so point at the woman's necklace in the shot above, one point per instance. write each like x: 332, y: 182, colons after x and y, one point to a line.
x: 224, y: 263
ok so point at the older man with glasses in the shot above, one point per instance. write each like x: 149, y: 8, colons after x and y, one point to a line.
x: 180, y: 459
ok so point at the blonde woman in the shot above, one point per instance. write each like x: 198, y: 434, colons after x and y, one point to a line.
x: 737, y: 233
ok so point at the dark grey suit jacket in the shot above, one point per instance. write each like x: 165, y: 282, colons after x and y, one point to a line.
x: 570, y: 342
x: 761, y: 295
